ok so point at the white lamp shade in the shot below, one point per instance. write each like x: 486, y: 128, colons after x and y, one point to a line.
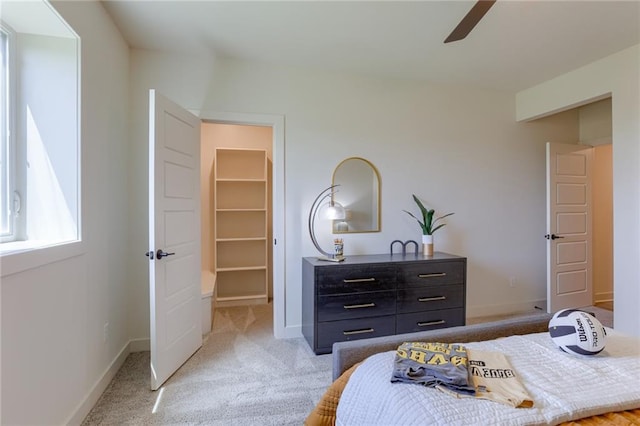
x: 334, y: 211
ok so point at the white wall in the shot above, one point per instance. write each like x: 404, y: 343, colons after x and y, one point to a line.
x: 618, y: 75
x: 595, y: 123
x: 458, y: 148
x: 53, y: 354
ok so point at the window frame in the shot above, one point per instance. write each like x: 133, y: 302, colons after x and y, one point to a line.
x: 23, y: 250
x: 10, y: 199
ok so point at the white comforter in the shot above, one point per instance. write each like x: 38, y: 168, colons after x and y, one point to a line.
x: 563, y: 387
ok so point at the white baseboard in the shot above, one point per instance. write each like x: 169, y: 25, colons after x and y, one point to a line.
x: 81, y: 411
x: 605, y: 296
x: 140, y: 345
x: 505, y: 309
x: 291, y: 332
x: 98, y: 388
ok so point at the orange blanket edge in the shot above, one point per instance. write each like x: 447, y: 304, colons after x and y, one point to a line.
x: 618, y: 418
x: 324, y: 413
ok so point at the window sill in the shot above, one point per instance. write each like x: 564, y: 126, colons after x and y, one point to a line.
x: 19, y: 256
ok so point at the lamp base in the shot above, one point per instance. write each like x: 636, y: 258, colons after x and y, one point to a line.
x: 332, y: 259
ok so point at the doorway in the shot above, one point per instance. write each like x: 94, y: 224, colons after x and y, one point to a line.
x: 594, y: 131
x: 236, y: 167
x: 602, y: 211
x: 276, y: 205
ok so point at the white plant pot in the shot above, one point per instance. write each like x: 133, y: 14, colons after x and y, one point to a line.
x: 427, y: 245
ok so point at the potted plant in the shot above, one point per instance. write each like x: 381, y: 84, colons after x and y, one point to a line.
x: 428, y: 224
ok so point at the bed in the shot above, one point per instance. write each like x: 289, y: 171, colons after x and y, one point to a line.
x: 362, y: 392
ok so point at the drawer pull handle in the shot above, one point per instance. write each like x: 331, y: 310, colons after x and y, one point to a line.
x: 437, y: 274
x: 431, y: 299
x: 428, y: 323
x: 364, y: 330
x: 363, y: 305
x: 359, y: 280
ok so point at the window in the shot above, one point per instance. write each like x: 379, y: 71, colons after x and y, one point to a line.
x: 7, y: 147
x: 40, y: 152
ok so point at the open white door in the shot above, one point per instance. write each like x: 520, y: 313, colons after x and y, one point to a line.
x: 174, y: 236
x: 569, y: 272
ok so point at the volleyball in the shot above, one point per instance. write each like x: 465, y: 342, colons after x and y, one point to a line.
x: 577, y: 332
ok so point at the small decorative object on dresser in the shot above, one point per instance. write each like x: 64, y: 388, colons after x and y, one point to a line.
x: 404, y: 246
x: 428, y: 225
x: 427, y: 245
x: 379, y: 295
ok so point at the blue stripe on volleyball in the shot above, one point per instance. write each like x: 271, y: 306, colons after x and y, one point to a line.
x: 566, y: 312
x: 561, y: 330
x: 579, y: 350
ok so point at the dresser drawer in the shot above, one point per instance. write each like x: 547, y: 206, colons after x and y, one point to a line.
x: 429, y: 320
x: 339, y: 331
x: 356, y: 305
x: 430, y: 298
x: 431, y: 273
x: 338, y: 279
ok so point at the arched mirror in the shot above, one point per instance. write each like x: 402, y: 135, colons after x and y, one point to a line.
x: 359, y: 194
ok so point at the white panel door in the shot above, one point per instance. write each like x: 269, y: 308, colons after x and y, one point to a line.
x: 174, y: 230
x: 569, y: 271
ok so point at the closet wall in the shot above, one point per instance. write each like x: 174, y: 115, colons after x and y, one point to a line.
x: 595, y: 126
x: 214, y: 136
x: 602, y: 201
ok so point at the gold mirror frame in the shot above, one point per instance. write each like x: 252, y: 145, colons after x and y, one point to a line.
x: 359, y: 194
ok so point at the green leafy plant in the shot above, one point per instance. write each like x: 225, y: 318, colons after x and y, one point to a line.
x: 428, y: 223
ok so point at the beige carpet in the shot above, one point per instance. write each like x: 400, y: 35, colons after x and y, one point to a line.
x: 242, y: 375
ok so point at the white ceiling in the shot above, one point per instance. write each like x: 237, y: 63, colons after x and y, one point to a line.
x: 516, y: 45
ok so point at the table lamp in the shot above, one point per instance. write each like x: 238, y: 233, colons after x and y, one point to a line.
x: 333, y: 211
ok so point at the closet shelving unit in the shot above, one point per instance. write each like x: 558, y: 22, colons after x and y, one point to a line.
x: 241, y: 226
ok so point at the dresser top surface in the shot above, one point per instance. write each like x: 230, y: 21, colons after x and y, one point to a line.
x: 383, y: 258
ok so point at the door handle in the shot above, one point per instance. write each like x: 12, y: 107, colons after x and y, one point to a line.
x: 552, y: 237
x: 160, y: 254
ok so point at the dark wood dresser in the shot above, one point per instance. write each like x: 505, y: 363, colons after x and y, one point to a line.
x: 378, y: 295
